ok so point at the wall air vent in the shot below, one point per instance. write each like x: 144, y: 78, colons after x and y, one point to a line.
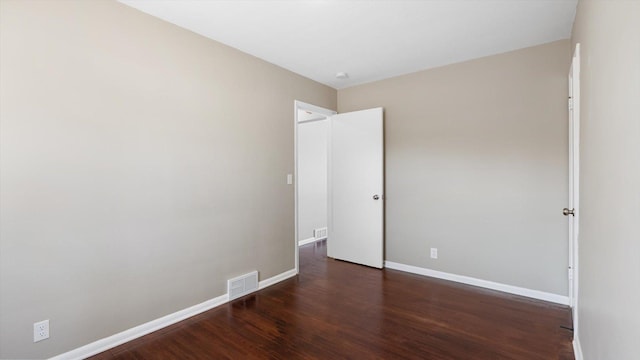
x: 320, y: 233
x: 242, y: 285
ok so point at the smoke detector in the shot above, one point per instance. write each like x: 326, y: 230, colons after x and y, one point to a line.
x: 342, y: 75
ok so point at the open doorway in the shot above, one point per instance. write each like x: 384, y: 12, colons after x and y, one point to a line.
x: 311, y: 148
x: 312, y: 177
x: 339, y: 183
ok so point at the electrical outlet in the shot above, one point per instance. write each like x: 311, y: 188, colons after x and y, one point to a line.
x: 434, y: 253
x: 41, y: 330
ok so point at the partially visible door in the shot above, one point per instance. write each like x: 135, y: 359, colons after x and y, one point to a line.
x: 572, y: 211
x: 356, y: 183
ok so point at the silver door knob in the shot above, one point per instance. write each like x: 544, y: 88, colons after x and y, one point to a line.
x: 376, y: 197
x: 567, y: 212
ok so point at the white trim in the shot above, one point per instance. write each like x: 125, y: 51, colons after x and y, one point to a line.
x: 312, y: 120
x: 299, y: 105
x: 120, y: 338
x: 107, y: 343
x: 574, y: 187
x: 309, y: 241
x: 577, y: 348
x: 276, y: 279
x: 313, y: 108
x: 536, y: 294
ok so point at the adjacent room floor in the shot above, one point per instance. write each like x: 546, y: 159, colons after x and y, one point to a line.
x: 339, y: 310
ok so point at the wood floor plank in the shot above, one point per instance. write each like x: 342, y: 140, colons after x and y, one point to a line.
x: 339, y: 310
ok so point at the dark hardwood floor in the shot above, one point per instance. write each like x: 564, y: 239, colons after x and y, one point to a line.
x: 338, y: 310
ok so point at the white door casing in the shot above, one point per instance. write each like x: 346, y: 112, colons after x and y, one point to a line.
x: 574, y: 182
x: 356, y: 184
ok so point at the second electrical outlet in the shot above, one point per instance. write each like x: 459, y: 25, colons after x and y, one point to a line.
x: 41, y: 330
x: 434, y: 253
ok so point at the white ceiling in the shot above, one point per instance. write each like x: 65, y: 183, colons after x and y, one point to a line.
x: 369, y: 40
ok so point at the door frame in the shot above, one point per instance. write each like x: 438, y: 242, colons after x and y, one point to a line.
x: 574, y: 183
x: 300, y: 105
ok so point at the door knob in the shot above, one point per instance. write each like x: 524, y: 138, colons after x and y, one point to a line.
x: 376, y: 197
x: 567, y: 212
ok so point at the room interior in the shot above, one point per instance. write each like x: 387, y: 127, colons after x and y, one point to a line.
x: 142, y: 165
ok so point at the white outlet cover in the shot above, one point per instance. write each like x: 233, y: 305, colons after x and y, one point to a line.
x: 41, y: 330
x: 434, y: 253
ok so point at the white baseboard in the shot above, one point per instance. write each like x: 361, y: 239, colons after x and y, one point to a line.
x: 112, y: 341
x: 309, y: 241
x: 306, y: 241
x: 577, y: 349
x: 536, y: 294
x: 276, y: 279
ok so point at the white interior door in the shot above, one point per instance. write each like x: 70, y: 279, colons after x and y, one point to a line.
x: 572, y: 211
x: 356, y: 183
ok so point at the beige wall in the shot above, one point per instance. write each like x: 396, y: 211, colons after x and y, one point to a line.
x: 141, y: 166
x: 609, y: 289
x: 476, y: 166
